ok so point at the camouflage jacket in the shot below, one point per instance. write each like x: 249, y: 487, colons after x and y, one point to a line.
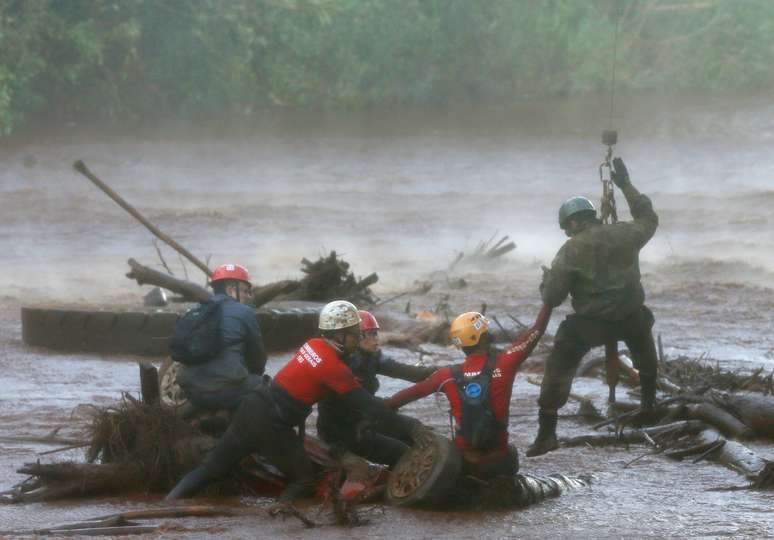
x: 600, y: 266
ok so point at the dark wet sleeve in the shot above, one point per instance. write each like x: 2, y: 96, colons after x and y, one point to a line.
x: 645, y: 221
x: 556, y: 281
x: 375, y: 408
x: 416, y: 391
x: 391, y: 368
x: 529, y: 338
x: 255, y: 353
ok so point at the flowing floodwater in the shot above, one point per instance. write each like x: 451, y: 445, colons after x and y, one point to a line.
x: 399, y: 194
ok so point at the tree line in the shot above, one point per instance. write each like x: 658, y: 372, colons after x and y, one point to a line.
x: 134, y: 60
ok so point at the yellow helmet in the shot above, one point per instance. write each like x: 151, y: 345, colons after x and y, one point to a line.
x: 466, y: 330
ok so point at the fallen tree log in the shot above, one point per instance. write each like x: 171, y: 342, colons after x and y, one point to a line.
x: 144, y: 275
x: 64, y: 480
x: 266, y: 293
x: 192, y: 292
x: 673, y: 430
x: 724, y: 421
x: 755, y: 410
x: 733, y: 455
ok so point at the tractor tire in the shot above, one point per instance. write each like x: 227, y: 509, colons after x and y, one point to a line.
x: 146, y: 332
x: 426, y: 475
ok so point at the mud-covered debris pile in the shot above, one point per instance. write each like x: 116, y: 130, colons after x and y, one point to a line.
x: 703, y: 372
x: 330, y: 278
x: 154, y: 438
x: 134, y: 447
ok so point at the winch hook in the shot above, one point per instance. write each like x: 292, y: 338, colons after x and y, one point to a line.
x: 607, y: 209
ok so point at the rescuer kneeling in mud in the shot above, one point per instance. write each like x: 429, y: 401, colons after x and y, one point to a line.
x: 479, y: 392
x: 346, y: 428
x: 219, y: 344
x: 599, y: 267
x: 265, y: 419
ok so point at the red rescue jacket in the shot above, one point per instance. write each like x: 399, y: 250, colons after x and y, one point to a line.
x: 314, y: 372
x: 503, y: 375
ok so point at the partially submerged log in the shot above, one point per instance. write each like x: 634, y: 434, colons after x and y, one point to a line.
x: 267, y: 293
x: 731, y: 454
x: 69, y: 479
x: 755, y: 410
x: 674, y: 430
x: 724, y: 421
x: 144, y: 275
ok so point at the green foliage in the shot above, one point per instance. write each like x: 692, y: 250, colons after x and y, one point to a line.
x: 141, y: 59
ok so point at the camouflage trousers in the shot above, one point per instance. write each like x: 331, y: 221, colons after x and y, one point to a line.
x: 577, y: 334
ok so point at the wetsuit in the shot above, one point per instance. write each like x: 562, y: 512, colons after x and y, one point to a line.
x: 501, y: 460
x: 264, y: 421
x: 348, y: 429
x: 237, y: 369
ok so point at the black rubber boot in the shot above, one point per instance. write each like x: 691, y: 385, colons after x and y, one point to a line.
x: 189, y: 484
x: 648, y: 395
x: 546, y: 437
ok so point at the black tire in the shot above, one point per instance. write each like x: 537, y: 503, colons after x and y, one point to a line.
x: 434, y: 485
x: 146, y: 333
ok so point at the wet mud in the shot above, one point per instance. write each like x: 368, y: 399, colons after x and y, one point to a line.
x: 398, y: 194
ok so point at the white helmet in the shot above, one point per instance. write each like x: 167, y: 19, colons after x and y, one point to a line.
x: 337, y: 315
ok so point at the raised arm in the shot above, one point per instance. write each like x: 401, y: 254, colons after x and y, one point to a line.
x: 418, y: 390
x: 529, y: 338
x: 645, y: 220
x: 392, y: 368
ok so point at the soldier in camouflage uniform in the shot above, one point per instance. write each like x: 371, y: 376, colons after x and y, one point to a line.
x: 599, y: 267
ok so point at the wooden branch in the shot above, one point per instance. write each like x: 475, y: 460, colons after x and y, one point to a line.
x: 734, y: 455
x: 171, y: 512
x: 755, y: 410
x: 725, y: 422
x: 80, y: 166
x: 42, y: 440
x: 149, y: 384
x: 266, y: 293
x: 367, y: 281
x: 676, y: 429
x: 144, y: 275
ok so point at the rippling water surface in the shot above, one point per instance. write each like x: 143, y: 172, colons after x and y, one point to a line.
x: 399, y: 194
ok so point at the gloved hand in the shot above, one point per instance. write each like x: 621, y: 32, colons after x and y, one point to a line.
x: 619, y: 174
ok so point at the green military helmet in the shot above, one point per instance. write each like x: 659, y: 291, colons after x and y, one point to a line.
x: 574, y: 206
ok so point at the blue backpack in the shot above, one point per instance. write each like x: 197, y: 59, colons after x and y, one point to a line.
x: 196, y: 339
x: 478, y: 425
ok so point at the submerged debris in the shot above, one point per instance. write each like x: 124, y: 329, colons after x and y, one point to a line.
x: 151, y: 437
x: 485, y: 253
x: 330, y: 278
x: 701, y: 372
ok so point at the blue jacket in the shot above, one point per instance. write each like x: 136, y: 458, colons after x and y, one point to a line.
x: 242, y: 355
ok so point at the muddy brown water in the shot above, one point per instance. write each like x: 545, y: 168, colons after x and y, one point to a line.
x: 398, y: 194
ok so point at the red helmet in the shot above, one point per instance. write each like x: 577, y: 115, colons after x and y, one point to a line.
x: 230, y: 271
x: 367, y: 321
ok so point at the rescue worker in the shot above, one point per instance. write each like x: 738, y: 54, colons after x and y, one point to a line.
x: 238, y: 368
x: 345, y: 428
x: 599, y: 267
x: 479, y: 392
x: 264, y: 421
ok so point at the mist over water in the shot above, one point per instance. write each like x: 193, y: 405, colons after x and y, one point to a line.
x: 400, y: 192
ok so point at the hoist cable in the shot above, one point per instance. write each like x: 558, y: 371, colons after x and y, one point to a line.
x: 612, y: 75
